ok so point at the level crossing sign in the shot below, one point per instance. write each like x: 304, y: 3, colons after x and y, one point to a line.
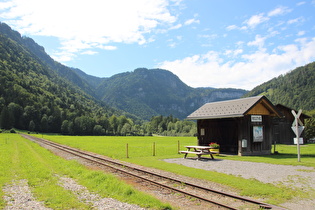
x: 299, y: 131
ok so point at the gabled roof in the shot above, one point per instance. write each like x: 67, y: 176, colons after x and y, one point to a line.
x: 281, y: 107
x: 259, y: 105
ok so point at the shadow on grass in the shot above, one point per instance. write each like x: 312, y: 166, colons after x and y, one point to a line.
x: 205, y: 159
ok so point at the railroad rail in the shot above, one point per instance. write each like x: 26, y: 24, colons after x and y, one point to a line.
x: 199, y: 192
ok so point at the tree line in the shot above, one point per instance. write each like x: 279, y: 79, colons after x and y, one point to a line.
x: 55, y: 120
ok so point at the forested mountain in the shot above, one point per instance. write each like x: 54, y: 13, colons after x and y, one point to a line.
x: 144, y: 93
x: 39, y: 94
x: 296, y: 89
x: 44, y: 59
x: 93, y: 81
x: 148, y: 93
x: 35, y: 97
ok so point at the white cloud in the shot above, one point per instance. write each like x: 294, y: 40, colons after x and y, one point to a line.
x: 89, y: 52
x: 301, y: 33
x: 6, y: 5
x: 108, y: 47
x: 176, y: 26
x: 191, y: 21
x: 233, y: 53
x: 231, y: 27
x: 255, y: 20
x: 296, y: 20
x: 259, y: 42
x: 82, y: 24
x: 63, y: 56
x: 279, y: 11
x: 301, y: 3
x: 210, y: 70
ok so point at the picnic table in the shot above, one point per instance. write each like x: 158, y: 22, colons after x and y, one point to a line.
x: 198, y: 150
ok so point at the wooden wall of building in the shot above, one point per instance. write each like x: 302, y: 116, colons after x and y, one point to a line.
x: 282, y: 132
x: 221, y: 131
x: 230, y: 132
x: 247, y: 133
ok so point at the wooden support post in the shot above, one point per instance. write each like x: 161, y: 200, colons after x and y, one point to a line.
x: 127, y: 151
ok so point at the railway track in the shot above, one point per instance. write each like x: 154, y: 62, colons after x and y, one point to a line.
x: 214, y: 197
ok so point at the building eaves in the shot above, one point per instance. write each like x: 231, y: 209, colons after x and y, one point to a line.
x: 225, y: 109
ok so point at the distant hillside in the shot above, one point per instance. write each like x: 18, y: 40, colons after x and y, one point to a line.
x: 295, y: 89
x: 35, y: 96
x: 143, y: 93
x: 148, y: 93
x: 93, y: 81
x: 44, y: 59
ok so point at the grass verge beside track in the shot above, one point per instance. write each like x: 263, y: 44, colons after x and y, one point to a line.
x: 150, y: 151
x: 23, y: 159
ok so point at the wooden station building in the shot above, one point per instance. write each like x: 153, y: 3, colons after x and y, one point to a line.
x: 283, y: 133
x: 242, y: 126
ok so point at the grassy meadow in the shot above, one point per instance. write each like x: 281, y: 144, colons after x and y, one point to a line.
x: 23, y: 159
x: 150, y: 152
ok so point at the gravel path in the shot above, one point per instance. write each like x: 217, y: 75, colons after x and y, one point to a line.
x: 267, y: 173
x: 91, y: 198
x: 292, y: 176
x: 19, y: 196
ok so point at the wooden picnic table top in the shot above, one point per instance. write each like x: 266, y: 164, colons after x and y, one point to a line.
x: 199, y: 151
x: 199, y: 147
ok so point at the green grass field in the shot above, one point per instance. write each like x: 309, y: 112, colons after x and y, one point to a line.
x: 23, y: 159
x: 141, y: 151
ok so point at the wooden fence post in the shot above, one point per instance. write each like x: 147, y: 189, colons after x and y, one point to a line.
x: 127, y: 152
x: 178, y: 147
x: 153, y: 148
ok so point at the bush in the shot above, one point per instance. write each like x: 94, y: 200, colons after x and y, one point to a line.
x: 12, y: 131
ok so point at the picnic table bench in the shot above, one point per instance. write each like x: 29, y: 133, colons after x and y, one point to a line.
x: 199, y: 151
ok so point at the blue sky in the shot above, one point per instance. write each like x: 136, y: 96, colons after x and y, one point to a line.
x: 206, y: 43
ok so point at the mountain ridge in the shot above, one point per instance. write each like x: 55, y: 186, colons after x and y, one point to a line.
x: 158, y: 92
x: 295, y: 89
x: 142, y: 92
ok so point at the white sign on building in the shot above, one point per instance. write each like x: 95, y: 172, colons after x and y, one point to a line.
x: 256, y: 118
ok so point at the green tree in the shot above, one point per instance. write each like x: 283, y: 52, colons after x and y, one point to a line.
x: 104, y: 122
x: 5, y: 119
x: 30, y: 114
x: 71, y: 128
x: 65, y: 127
x: 126, y: 129
x: 84, y: 125
x: 310, y: 128
x: 113, y: 122
x: 2, y: 103
x: 15, y: 112
x: 31, y: 126
x: 44, y: 123
x: 98, y: 130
